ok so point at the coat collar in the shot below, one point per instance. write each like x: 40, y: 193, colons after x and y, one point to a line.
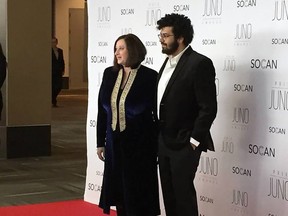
x: 177, y: 70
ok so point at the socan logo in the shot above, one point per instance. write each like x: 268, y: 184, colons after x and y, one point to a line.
x: 279, y: 41
x: 94, y: 187
x: 264, y: 64
x: 280, y: 11
x: 277, y: 130
x: 148, y: 60
x: 243, y: 88
x: 92, y: 123
x: 209, y: 42
x: 151, y: 43
x: 102, y: 44
x: 206, y: 199
x: 246, y: 3
x: 278, y: 185
x: 99, y: 173
x: 127, y: 11
x: 263, y: 151
x: 212, y: 11
x: 98, y: 59
x: 241, y: 171
x: 180, y: 8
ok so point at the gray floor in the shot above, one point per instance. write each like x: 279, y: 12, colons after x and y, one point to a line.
x: 60, y: 176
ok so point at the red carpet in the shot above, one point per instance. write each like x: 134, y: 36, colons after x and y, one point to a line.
x: 66, y: 208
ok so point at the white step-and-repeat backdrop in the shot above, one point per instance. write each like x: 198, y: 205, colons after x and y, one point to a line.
x: 248, y: 43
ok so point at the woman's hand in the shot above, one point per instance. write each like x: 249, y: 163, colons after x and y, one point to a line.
x: 101, y: 153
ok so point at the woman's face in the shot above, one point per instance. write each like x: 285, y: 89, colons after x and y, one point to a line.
x: 121, y: 52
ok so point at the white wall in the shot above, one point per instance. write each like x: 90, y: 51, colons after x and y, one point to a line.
x: 62, y: 25
x: 247, y: 175
x: 3, y: 14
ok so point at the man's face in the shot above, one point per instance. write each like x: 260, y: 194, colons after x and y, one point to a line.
x: 168, y: 41
x: 54, y: 42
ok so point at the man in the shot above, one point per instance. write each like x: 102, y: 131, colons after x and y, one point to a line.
x: 186, y: 107
x: 3, y: 66
x: 58, y: 68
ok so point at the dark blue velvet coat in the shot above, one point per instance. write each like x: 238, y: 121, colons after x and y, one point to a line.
x: 130, y: 156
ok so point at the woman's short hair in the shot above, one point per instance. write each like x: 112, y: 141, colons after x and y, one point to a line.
x: 136, y: 51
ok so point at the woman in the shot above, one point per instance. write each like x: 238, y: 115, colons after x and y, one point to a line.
x: 3, y: 65
x: 126, y: 132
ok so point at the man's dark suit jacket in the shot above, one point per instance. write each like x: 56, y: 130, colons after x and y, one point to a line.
x: 188, y: 106
x: 58, y: 64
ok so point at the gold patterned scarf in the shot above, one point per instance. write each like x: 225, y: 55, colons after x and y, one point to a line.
x: 122, y: 119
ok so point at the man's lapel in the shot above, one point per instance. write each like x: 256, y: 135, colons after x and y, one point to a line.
x: 177, y: 71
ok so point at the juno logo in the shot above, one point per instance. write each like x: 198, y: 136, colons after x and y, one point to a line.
x: 126, y: 31
x: 279, y: 99
x: 241, y: 115
x: 229, y: 64
x: 278, y: 188
x: 243, y: 31
x: 208, y: 166
x: 104, y: 14
x: 213, y: 8
x: 152, y: 16
x: 228, y: 145
x: 240, y: 198
x: 280, y: 11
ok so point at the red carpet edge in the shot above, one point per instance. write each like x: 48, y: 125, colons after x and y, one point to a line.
x: 63, y: 208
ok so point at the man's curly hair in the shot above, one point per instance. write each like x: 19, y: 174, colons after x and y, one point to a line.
x: 181, y: 26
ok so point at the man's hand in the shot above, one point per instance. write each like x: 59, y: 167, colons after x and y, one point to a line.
x: 101, y: 153
x: 193, y: 146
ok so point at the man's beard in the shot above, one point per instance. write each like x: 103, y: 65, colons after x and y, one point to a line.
x: 170, y: 49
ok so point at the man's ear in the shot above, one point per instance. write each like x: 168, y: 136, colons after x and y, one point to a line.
x: 180, y: 40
